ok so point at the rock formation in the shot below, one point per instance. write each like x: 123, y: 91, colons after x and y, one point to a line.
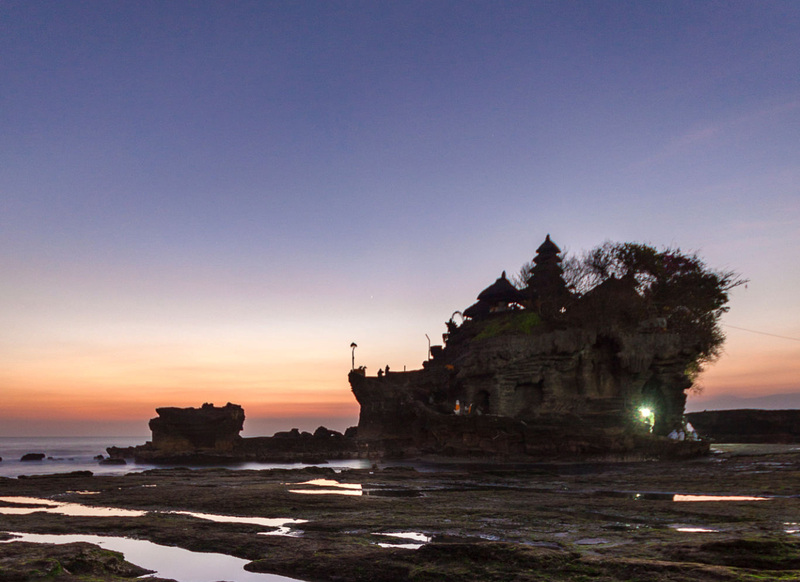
x: 210, y: 435
x: 32, y: 457
x: 551, y: 375
x: 209, y: 428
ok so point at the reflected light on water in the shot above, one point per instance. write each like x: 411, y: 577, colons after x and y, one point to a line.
x: 63, y: 508
x: 78, y: 510
x: 679, y: 497
x: 332, y: 483
x: 277, y: 522
x: 327, y: 492
x: 333, y: 488
x: 420, y: 540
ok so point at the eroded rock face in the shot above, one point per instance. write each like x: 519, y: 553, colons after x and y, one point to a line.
x: 573, y: 391
x: 183, y: 430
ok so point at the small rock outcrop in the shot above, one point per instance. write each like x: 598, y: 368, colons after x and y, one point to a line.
x: 189, y: 430
x: 113, y: 462
x: 32, y: 457
x: 210, y: 435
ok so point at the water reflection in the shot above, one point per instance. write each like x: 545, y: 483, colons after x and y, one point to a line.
x: 677, y: 497
x: 327, y: 492
x: 62, y: 508
x: 693, y: 529
x: 332, y: 483
x: 717, y: 498
x: 167, y: 562
x: 20, y: 507
x: 328, y: 487
x: 276, y: 522
x: 333, y: 487
x: 420, y: 540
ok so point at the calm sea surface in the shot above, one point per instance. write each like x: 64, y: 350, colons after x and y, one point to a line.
x: 64, y: 454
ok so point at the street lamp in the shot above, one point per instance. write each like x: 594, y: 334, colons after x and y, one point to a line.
x: 353, y: 346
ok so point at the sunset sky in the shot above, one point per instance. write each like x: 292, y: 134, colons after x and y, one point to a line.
x: 209, y: 201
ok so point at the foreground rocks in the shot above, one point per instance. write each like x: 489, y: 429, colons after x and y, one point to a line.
x: 65, y: 563
x: 550, y: 521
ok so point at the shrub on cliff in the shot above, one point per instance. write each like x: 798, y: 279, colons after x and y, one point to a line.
x: 677, y: 287
x: 512, y: 323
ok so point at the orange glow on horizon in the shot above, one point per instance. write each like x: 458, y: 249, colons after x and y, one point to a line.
x: 753, y: 370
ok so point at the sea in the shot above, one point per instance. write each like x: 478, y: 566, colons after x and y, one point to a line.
x: 67, y: 454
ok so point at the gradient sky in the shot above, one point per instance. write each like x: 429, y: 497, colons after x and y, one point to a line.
x: 209, y: 201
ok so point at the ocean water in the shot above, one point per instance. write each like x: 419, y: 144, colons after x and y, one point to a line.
x: 65, y: 454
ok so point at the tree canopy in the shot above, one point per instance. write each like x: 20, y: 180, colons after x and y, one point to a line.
x: 674, y: 285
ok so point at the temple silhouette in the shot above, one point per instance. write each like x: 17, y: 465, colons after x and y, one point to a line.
x: 539, y: 371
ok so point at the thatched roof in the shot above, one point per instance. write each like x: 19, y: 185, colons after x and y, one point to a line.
x: 623, y: 289
x: 501, y: 291
x: 476, y: 310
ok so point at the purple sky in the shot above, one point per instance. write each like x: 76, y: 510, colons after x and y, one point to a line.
x: 209, y: 201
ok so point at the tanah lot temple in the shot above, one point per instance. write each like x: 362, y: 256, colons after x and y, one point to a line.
x: 539, y: 371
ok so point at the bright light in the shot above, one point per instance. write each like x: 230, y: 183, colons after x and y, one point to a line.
x: 648, y: 417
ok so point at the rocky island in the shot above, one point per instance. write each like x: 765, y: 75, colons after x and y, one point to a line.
x: 597, y: 365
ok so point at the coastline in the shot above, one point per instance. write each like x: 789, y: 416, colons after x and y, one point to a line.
x: 560, y: 521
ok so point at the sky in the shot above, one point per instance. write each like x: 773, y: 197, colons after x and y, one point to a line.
x: 210, y: 201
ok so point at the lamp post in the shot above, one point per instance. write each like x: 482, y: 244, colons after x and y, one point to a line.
x: 353, y: 364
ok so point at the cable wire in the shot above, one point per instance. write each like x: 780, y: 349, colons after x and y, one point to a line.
x: 795, y: 339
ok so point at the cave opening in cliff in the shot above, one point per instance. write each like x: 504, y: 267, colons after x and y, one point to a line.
x: 654, y: 403
x: 482, y: 402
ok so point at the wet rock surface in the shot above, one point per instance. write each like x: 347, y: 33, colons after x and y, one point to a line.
x: 547, y: 521
x: 65, y: 563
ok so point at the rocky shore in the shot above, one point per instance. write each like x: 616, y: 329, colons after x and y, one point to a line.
x: 209, y: 435
x: 546, y: 521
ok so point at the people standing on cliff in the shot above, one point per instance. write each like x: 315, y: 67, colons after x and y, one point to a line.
x: 387, y: 369
x: 380, y: 373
